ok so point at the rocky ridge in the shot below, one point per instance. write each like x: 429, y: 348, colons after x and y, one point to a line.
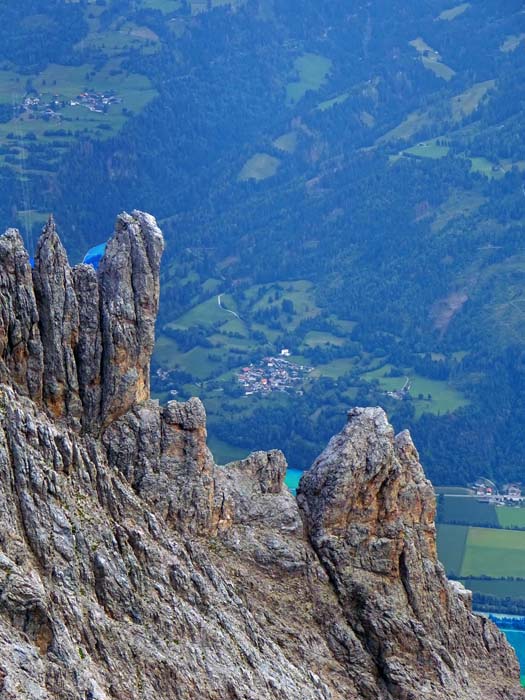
x: 133, y: 567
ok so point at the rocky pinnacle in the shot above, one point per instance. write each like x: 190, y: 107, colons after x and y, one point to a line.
x: 75, y: 340
x: 132, y: 567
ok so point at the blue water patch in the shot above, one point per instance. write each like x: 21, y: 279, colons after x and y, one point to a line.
x: 292, y: 479
x: 517, y: 639
x: 94, y: 255
x: 513, y: 626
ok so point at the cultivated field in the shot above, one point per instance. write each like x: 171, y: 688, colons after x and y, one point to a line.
x: 478, y: 551
x: 468, y: 511
x: 496, y: 553
x: 451, y: 540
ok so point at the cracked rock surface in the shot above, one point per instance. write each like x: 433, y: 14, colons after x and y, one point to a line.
x: 132, y: 567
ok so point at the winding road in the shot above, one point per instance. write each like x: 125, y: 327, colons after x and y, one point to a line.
x: 219, y: 303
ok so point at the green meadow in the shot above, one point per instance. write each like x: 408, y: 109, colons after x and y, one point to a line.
x: 312, y: 70
x: 259, y: 167
x: 496, y: 553
x: 428, y: 149
x: 481, y: 551
x: 451, y: 541
x: 444, y: 397
x: 323, y: 106
x: 467, y: 102
x: 287, y: 142
x: 431, y: 59
x: 440, y: 69
x: 512, y: 42
x: 453, y: 12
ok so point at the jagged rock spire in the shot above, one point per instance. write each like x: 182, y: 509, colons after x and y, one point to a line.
x: 131, y: 566
x: 370, y: 516
x: 21, y: 355
x: 129, y: 297
x: 78, y: 341
x: 59, y: 324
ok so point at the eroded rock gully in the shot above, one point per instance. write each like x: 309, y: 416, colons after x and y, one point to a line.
x: 132, y: 567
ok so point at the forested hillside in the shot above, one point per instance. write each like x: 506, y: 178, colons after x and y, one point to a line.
x: 348, y: 176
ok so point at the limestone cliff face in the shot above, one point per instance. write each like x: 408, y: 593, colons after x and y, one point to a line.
x: 132, y: 567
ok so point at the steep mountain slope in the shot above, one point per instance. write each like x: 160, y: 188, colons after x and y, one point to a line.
x: 131, y: 566
x: 373, y: 152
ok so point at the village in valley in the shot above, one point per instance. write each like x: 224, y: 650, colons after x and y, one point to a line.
x: 486, y: 491
x: 273, y: 374
x: 36, y: 106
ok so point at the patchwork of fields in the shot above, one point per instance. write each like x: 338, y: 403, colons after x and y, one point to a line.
x: 478, y: 551
x: 484, y: 546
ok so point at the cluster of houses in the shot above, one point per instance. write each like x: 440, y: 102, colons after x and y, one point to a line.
x: 33, y: 104
x: 401, y: 394
x: 95, y: 101
x: 487, y: 492
x: 90, y: 99
x: 273, y: 374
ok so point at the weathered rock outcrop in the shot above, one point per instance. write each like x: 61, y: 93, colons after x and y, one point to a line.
x: 370, y: 516
x: 129, y: 301
x: 20, y: 346
x: 59, y: 325
x: 132, y: 567
x: 77, y: 342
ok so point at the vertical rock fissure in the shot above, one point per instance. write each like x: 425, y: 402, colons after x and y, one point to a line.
x: 405, y: 580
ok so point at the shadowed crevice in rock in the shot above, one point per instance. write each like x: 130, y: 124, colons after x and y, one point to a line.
x: 88, y: 351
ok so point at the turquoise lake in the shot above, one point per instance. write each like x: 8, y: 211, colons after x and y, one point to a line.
x: 517, y: 639
x: 292, y: 479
